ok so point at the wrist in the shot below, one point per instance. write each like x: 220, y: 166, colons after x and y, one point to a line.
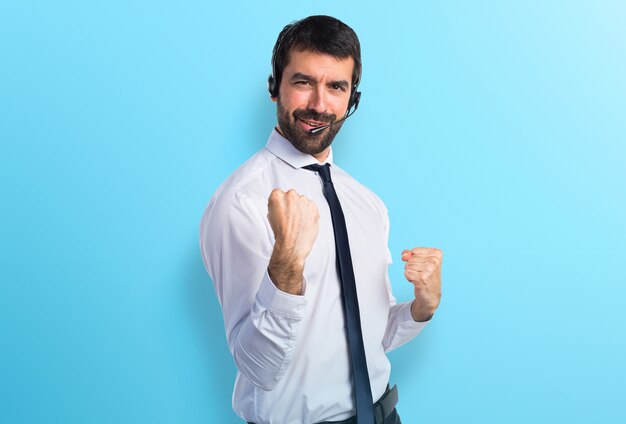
x: 421, y: 314
x: 286, y: 272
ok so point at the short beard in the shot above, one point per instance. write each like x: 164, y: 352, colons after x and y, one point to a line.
x: 312, y: 144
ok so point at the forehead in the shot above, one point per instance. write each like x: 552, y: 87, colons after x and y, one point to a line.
x: 319, y: 65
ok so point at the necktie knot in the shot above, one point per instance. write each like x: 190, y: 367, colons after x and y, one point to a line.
x: 323, y: 170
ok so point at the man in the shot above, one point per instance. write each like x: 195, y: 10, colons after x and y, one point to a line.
x: 290, y: 274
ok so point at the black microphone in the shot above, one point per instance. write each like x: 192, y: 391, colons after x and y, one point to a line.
x: 323, y: 127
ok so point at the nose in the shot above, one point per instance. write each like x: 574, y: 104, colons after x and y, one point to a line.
x: 317, y: 100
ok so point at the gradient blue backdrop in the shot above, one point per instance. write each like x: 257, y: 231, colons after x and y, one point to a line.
x: 493, y: 130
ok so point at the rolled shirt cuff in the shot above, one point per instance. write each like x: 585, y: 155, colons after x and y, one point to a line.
x: 280, y: 302
x: 406, y: 318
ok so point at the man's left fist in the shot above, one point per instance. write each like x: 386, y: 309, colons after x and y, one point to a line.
x: 423, y: 270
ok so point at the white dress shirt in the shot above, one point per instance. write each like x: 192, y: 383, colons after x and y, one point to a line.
x: 291, y: 350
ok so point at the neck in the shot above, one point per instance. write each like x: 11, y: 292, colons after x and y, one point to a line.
x: 321, y: 157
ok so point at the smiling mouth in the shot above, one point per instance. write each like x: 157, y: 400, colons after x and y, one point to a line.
x: 312, y: 123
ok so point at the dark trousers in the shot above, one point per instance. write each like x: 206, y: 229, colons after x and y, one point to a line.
x: 393, y: 418
x: 385, y: 406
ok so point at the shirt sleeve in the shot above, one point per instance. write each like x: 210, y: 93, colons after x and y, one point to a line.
x: 401, y: 327
x: 262, y: 322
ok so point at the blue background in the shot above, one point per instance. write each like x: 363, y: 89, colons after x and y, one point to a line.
x: 493, y: 130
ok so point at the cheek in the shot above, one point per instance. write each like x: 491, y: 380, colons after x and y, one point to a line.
x: 293, y: 99
x: 339, y: 105
x: 298, y: 100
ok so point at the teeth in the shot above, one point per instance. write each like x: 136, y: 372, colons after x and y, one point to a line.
x: 312, y: 123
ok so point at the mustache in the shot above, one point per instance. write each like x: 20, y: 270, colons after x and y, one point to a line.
x: 310, y: 115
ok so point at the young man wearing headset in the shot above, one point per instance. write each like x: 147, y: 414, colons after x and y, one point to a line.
x: 297, y: 250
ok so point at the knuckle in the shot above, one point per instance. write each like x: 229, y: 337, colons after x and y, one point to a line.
x: 276, y: 194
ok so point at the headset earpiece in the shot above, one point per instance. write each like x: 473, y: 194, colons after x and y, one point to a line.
x: 271, y: 86
x: 355, y: 98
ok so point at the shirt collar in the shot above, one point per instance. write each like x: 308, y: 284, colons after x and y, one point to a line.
x: 283, y: 149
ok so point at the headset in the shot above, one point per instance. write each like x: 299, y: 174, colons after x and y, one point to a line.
x: 272, y: 85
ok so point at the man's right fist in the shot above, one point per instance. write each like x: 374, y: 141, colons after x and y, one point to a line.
x: 295, y: 222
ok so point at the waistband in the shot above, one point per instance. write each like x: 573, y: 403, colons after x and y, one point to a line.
x: 382, y: 408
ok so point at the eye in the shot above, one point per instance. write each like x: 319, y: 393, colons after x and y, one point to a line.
x: 337, y: 87
x: 302, y: 82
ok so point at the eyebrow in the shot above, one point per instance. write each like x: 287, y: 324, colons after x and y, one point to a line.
x: 301, y: 76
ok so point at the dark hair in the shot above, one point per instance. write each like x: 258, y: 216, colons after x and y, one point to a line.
x: 318, y: 34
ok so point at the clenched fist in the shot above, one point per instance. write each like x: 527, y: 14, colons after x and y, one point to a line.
x: 295, y: 222
x: 423, y: 270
